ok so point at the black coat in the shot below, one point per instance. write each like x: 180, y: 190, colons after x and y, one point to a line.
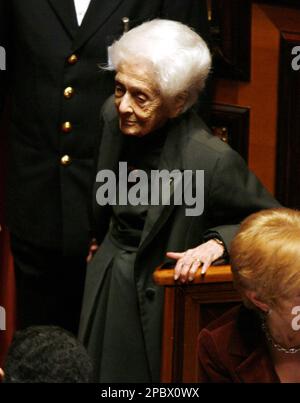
x: 48, y: 201
x: 231, y: 192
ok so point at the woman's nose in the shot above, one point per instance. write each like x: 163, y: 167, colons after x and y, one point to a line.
x: 125, y: 104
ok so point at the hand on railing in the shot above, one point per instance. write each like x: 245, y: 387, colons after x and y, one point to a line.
x: 189, y: 261
x: 164, y: 276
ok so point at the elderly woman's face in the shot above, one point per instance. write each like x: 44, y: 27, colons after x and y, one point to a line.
x: 139, y: 103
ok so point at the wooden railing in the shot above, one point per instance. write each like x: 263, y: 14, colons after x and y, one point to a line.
x: 188, y: 308
x: 214, y: 274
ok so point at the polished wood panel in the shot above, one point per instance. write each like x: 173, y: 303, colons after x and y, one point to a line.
x: 288, y: 135
x: 188, y: 308
x: 289, y: 3
x: 231, y: 124
x: 259, y: 95
x: 231, y: 38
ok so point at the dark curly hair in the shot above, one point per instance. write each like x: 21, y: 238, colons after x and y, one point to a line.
x: 47, y: 354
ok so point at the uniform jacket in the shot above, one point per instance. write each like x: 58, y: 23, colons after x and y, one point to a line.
x: 233, y: 349
x: 231, y: 192
x: 48, y: 197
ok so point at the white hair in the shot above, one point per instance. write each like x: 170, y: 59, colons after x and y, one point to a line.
x: 179, y: 56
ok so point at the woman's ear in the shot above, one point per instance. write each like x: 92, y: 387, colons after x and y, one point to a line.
x: 252, y: 296
x: 177, y: 104
x: 1, y: 374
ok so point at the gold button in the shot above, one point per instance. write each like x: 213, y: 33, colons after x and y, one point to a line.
x: 69, y: 92
x: 73, y: 59
x: 65, y: 160
x: 66, y: 127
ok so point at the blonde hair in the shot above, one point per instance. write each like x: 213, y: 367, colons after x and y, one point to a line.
x: 265, y: 255
x: 179, y: 56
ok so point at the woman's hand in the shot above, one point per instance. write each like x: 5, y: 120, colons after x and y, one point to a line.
x: 188, y: 262
x: 92, y: 250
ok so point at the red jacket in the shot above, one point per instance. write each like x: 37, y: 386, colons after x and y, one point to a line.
x: 233, y: 349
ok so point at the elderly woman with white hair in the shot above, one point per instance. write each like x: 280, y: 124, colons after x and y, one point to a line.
x: 149, y: 129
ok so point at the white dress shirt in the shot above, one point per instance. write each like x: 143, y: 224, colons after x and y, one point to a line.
x: 81, y: 7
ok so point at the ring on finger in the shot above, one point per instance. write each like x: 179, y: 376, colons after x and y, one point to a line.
x: 198, y: 260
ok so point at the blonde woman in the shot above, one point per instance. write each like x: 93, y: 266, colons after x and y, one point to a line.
x: 259, y: 342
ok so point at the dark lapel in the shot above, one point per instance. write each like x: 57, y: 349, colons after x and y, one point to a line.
x: 248, y: 343
x: 65, y: 10
x: 111, y: 147
x: 257, y: 368
x: 97, y: 14
x: 171, y: 159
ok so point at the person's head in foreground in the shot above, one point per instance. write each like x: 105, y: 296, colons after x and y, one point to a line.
x: 47, y: 354
x: 265, y: 259
x: 161, y: 67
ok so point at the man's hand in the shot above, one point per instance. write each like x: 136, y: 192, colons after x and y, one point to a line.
x: 188, y: 262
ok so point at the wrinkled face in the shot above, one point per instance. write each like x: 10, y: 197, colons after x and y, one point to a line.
x: 140, y: 105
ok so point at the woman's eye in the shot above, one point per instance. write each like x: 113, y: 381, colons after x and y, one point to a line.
x: 141, y: 98
x: 118, y: 89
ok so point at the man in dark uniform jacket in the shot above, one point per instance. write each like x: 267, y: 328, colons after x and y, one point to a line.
x: 56, y: 89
